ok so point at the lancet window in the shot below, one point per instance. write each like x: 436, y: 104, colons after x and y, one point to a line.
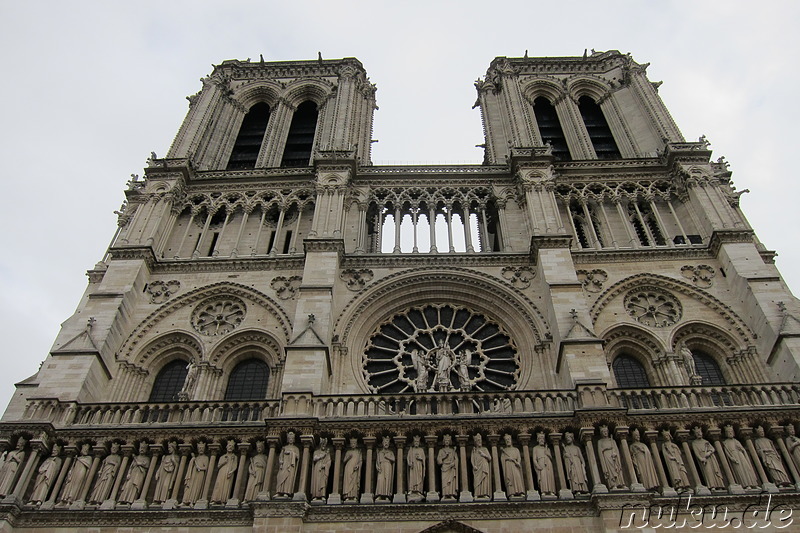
x: 251, y: 136
x: 432, y: 221
x: 550, y: 128
x: 707, y: 368
x: 300, y: 141
x: 169, y: 381
x: 629, y: 373
x: 248, y: 381
x: 597, y: 127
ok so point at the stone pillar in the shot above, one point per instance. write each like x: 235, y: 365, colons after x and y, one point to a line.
x: 622, y: 434
x: 302, y: 488
x: 682, y: 435
x: 766, y: 484
x: 778, y: 433
x: 586, y: 437
x: 499, y: 495
x: 733, y: 487
x: 531, y: 493
x: 272, y: 442
x: 335, y: 497
x: 432, y: 495
x: 367, y: 496
x: 80, y: 503
x: 400, y: 495
x: 37, y: 447
x: 184, y: 450
x: 652, y: 436
x: 127, y: 451
x: 213, y: 452
x: 564, y: 492
x: 238, y: 487
x: 465, y: 495
x: 70, y: 452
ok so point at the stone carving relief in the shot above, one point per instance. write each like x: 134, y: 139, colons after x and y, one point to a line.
x: 700, y: 275
x: 439, y: 349
x: 592, y: 280
x: 195, y: 475
x: 675, y: 465
x: 288, y: 463
x: 416, y: 470
x: 707, y: 457
x: 447, y: 459
x: 48, y: 472
x: 543, y: 467
x: 739, y: 460
x: 653, y: 307
x: 481, y: 465
x: 643, y: 462
x: 320, y: 470
x: 356, y: 278
x: 771, y: 459
x: 285, y: 288
x: 218, y: 316
x: 160, y: 291
x: 574, y: 465
x: 519, y: 277
x: 609, y: 459
x: 11, y: 465
x: 351, y: 485
x: 511, y: 462
x: 227, y: 465
x: 384, y: 465
x: 105, y: 475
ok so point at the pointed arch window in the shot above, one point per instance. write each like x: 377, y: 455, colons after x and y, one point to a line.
x: 300, y: 140
x: 708, y: 369
x: 550, y: 128
x: 248, y: 381
x: 630, y: 373
x: 251, y: 136
x: 169, y: 382
x: 597, y: 127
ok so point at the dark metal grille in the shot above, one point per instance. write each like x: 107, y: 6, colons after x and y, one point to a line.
x: 248, y: 381
x: 630, y: 373
x: 169, y: 382
x: 251, y: 135
x: 596, y: 126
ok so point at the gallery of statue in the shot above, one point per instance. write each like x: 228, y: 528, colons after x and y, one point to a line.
x: 283, y: 336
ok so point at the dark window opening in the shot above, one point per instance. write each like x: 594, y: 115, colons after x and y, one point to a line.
x: 271, y: 241
x: 169, y: 382
x: 597, y: 127
x: 214, y: 239
x: 550, y: 128
x: 630, y: 373
x: 251, y: 135
x: 300, y: 140
x: 645, y: 216
x: 287, y: 242
x: 248, y: 381
x: 708, y: 369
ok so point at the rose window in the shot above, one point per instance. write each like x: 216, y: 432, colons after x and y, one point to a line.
x: 653, y: 307
x: 440, y: 348
x: 218, y: 316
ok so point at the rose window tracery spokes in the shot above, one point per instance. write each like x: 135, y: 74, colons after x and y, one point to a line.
x: 218, y: 316
x: 653, y: 307
x: 440, y: 348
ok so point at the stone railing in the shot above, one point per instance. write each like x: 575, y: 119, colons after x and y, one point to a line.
x: 712, y: 397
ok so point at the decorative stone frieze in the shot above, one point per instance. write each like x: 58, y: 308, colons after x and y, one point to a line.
x: 700, y: 275
x: 592, y: 280
x: 286, y: 288
x: 356, y: 279
x: 161, y: 291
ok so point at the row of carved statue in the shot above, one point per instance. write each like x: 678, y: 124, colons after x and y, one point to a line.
x: 402, y: 468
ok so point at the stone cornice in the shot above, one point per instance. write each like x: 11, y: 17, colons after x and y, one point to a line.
x: 432, y: 260
x: 323, y: 245
x: 588, y: 257
x: 215, y: 264
x: 727, y: 236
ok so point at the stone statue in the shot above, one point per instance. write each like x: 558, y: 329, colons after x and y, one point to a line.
x: 462, y: 360
x: 77, y: 475
x: 8, y: 472
x: 481, y: 465
x: 707, y: 457
x: 447, y: 458
x: 674, y: 459
x: 48, y: 471
x: 384, y: 465
x: 421, y: 366
x: 321, y: 467
x: 132, y: 485
x: 444, y: 364
x: 287, y: 467
x: 255, y: 473
x: 574, y: 465
x: 643, y: 462
x: 415, y: 459
x: 105, y: 477
x: 543, y: 465
x: 740, y: 461
x: 511, y: 460
x: 770, y: 458
x: 189, y: 382
x: 195, y: 476
x: 352, y: 471
x: 688, y: 361
x: 165, y: 475
x: 793, y: 444
x: 227, y: 464
x: 608, y: 454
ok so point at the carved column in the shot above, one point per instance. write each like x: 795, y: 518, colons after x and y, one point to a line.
x: 80, y: 503
x: 766, y: 484
x: 335, y: 497
x: 213, y: 452
x: 564, y: 492
x: 465, y: 495
x: 272, y: 442
x: 308, y: 441
x: 127, y: 451
x: 241, y: 474
x: 652, y: 436
x: 400, y: 495
x: 367, y: 496
x: 778, y: 433
x: 37, y: 447
x: 184, y: 450
x: 499, y: 495
x: 733, y: 486
x: 530, y: 491
x: 682, y: 435
x: 397, y: 221
x: 622, y: 434
x: 586, y: 437
x: 70, y: 452
x: 432, y: 495
x: 432, y: 228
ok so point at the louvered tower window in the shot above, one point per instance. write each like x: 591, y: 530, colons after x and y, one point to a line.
x: 251, y: 135
x: 300, y: 140
x: 550, y: 128
x: 596, y: 126
x: 248, y: 381
x: 630, y: 373
x: 169, y: 382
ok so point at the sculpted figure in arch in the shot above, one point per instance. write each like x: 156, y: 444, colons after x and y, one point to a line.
x: 511, y: 462
x: 105, y: 477
x: 448, y: 460
x: 769, y: 457
x: 420, y: 363
x: 643, y: 462
x: 77, y: 475
x: 481, y: 464
x: 8, y: 472
x: 674, y: 459
x: 793, y: 444
x: 227, y: 465
x: 384, y: 465
x: 165, y: 475
x: 574, y: 465
x: 416, y: 470
x: 352, y: 471
x: 132, y: 485
x: 48, y: 471
x: 195, y: 475
x: 189, y: 382
x: 462, y: 360
x: 608, y: 453
x: 739, y: 459
x: 287, y: 467
x: 321, y: 461
x: 688, y: 361
x: 255, y: 473
x: 707, y: 457
x: 543, y: 465
x: 444, y: 357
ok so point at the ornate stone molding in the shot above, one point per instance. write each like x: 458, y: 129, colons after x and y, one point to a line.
x: 700, y: 275
x: 218, y: 315
x: 519, y: 277
x: 161, y: 291
x: 592, y: 280
x: 286, y: 288
x: 356, y: 279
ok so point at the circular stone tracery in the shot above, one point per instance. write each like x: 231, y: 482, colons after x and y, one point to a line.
x: 439, y: 348
x: 218, y: 316
x: 653, y: 307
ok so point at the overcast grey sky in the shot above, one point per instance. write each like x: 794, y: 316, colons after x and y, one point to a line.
x: 90, y: 88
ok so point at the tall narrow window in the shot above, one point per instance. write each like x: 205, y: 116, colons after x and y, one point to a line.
x: 301, y: 136
x: 550, y: 128
x: 630, y: 373
x: 708, y: 369
x: 596, y: 126
x: 251, y: 135
x: 248, y: 381
x: 169, y: 382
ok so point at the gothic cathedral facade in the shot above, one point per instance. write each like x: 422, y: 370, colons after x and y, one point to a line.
x: 283, y: 336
